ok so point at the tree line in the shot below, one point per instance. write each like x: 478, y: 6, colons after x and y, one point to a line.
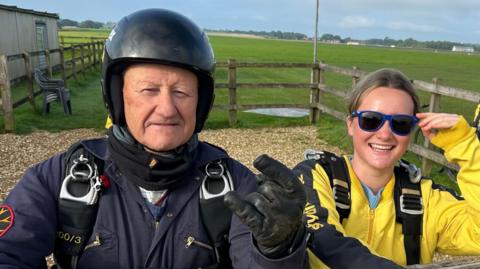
x: 407, y: 43
x: 270, y: 34
x: 85, y: 24
x: 388, y: 42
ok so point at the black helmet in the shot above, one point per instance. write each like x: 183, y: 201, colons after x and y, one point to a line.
x: 163, y: 37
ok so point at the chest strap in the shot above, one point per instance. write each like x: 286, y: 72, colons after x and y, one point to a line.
x: 337, y: 172
x: 409, y: 212
x: 216, y: 216
x: 77, y: 204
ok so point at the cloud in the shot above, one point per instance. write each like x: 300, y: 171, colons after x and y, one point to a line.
x: 356, y: 22
x: 260, y: 18
x: 412, y: 5
x: 413, y: 27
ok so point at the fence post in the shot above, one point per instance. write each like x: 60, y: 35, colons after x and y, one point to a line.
x: 94, y: 45
x: 62, y: 65
x: 433, y: 107
x: 101, y: 46
x: 74, y: 64
x: 28, y: 72
x: 62, y: 41
x: 354, y: 78
x: 321, y: 80
x: 6, y: 94
x: 47, y: 61
x: 90, y: 64
x: 82, y: 55
x: 232, y: 92
x: 315, y: 94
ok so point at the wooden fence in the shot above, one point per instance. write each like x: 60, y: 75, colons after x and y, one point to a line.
x: 74, y: 61
x: 77, y: 40
x: 318, y: 87
x: 83, y: 56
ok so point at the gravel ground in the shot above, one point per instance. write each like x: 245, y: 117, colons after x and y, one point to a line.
x: 18, y: 152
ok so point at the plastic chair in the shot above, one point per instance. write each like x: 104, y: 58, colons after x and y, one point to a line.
x: 53, y: 90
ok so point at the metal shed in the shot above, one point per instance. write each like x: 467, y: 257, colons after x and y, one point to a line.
x: 27, y: 30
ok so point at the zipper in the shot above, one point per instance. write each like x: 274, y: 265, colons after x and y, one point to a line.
x: 190, y: 240
x: 371, y: 218
x: 97, y: 242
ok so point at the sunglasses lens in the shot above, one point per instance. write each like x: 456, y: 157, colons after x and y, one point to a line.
x: 370, y: 121
x: 402, y: 124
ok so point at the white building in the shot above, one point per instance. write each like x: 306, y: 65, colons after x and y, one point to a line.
x: 462, y: 49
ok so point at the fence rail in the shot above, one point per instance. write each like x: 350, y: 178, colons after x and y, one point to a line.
x: 70, y: 64
x: 318, y: 86
x: 87, y: 55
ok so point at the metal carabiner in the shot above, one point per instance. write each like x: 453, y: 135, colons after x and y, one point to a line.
x: 312, y: 154
x: 216, y: 172
x: 78, y: 176
x: 414, y: 173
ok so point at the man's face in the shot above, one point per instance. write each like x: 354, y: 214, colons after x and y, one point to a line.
x: 160, y: 105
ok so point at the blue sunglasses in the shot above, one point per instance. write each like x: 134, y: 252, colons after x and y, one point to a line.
x: 371, y: 121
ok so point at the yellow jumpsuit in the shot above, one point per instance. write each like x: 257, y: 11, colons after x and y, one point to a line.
x: 450, y: 226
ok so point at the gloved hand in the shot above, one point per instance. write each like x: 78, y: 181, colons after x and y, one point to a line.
x: 274, y: 212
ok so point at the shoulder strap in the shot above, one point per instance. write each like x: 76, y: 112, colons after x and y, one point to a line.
x: 337, y: 172
x: 216, y: 216
x: 77, y: 204
x: 409, y: 212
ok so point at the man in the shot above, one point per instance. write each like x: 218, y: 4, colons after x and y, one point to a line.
x: 146, y: 196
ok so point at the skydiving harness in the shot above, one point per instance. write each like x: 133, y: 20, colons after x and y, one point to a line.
x: 407, y: 196
x: 82, y: 188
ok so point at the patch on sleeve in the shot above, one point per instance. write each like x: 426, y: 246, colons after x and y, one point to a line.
x: 6, y: 219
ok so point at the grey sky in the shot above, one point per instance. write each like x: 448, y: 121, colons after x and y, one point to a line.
x: 457, y: 20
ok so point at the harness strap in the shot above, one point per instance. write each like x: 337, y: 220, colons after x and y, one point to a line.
x: 77, y: 204
x: 409, y: 212
x: 337, y: 172
x: 216, y: 216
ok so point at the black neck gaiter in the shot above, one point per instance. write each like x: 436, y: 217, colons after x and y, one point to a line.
x: 147, y: 169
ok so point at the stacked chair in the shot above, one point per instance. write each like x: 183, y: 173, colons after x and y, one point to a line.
x: 53, y: 90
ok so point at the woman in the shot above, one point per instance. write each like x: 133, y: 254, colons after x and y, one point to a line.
x: 383, y: 111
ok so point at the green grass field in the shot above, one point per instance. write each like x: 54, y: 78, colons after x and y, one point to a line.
x: 453, y: 69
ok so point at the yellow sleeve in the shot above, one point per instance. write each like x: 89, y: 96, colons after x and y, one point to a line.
x: 462, y: 147
x: 457, y: 222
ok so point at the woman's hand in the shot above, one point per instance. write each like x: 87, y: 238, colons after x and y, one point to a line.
x: 431, y: 122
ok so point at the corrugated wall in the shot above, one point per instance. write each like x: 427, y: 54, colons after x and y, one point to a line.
x: 18, y: 34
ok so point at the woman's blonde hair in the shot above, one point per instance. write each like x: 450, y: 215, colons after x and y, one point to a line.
x: 385, y: 77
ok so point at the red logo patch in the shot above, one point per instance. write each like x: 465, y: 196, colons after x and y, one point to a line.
x: 6, y: 219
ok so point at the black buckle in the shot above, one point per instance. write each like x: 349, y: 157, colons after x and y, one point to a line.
x: 411, y: 202
x: 341, y: 194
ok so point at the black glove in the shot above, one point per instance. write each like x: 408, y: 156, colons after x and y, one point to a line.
x: 274, y: 212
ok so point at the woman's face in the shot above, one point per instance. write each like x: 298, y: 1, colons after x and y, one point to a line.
x: 381, y: 149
